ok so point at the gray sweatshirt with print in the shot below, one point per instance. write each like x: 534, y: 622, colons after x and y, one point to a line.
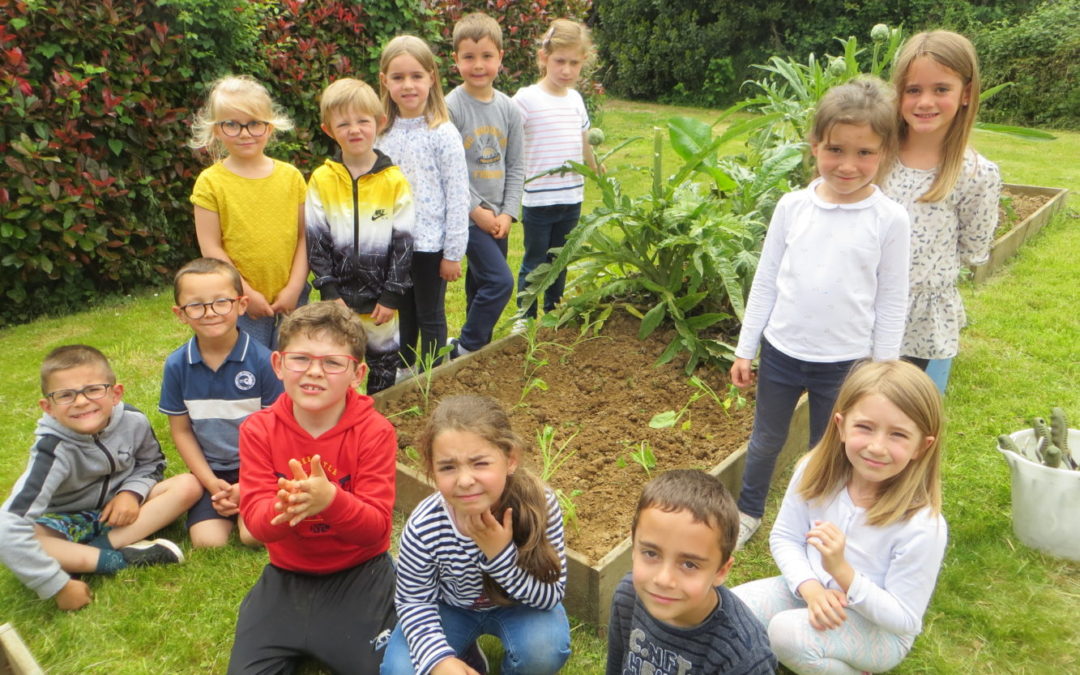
x: 70, y: 472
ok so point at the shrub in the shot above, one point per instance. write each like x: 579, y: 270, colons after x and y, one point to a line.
x: 1039, y: 54
x: 93, y: 147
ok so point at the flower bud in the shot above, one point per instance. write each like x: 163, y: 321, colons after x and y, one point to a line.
x: 879, y: 33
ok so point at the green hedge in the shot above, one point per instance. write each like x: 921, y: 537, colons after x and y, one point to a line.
x: 1040, y: 54
x: 700, y: 51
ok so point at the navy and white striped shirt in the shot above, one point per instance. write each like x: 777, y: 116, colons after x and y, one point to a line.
x: 439, y: 564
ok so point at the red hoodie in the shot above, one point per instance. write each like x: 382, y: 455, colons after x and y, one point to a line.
x: 359, y: 458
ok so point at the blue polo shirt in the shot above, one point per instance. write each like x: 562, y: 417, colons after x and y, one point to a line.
x: 217, y: 402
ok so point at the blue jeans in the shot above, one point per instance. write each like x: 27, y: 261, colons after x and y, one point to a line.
x: 546, y: 227
x: 264, y: 330
x: 535, y: 641
x: 489, y: 283
x: 781, y: 380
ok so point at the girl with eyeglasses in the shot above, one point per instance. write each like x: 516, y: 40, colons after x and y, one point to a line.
x: 249, y: 208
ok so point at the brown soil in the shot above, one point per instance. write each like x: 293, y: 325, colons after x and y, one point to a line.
x: 606, y: 390
x: 1021, y: 206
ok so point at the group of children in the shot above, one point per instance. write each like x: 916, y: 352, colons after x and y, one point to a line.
x: 419, y: 182
x: 263, y: 405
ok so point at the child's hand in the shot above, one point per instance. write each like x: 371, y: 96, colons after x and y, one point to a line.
x: 829, y: 541
x: 741, y: 374
x: 452, y: 666
x: 121, y: 510
x: 825, y: 606
x: 74, y: 595
x: 226, y: 501
x: 313, y: 494
x: 381, y: 315
x: 258, y: 307
x: 450, y: 270
x: 285, y: 301
x: 488, y: 533
x: 503, y: 222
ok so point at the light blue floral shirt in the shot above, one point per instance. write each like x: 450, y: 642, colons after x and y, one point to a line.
x: 433, y: 161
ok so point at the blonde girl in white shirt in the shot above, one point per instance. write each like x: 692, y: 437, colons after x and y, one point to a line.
x: 860, y: 538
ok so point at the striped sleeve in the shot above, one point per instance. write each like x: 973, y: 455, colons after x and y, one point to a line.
x: 417, y: 590
x: 519, y: 584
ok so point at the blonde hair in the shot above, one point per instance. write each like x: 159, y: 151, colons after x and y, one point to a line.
x: 349, y: 94
x: 476, y: 27
x: 955, y: 52
x: 566, y: 34
x: 524, y: 492
x: 918, y: 485
x: 435, y: 111
x: 243, y: 94
x: 862, y: 100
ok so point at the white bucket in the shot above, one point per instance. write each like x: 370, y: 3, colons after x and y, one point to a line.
x: 1045, y: 501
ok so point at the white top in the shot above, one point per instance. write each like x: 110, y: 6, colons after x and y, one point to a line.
x: 553, y: 134
x: 433, y: 161
x: 944, y: 236
x: 832, y: 281
x: 896, y: 566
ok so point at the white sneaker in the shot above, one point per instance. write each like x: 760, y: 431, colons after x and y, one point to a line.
x: 748, y: 525
x: 520, y: 327
x: 402, y: 374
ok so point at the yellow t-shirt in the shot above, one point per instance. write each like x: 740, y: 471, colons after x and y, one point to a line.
x: 259, y: 220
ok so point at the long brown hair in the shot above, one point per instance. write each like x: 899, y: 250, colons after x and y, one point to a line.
x: 955, y: 52
x: 435, y: 110
x: 916, y: 487
x: 524, y: 493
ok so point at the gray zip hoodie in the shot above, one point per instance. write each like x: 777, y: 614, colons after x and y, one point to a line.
x: 70, y: 472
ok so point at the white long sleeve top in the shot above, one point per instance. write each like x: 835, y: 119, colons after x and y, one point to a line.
x: 832, y: 281
x: 896, y: 566
x: 433, y: 161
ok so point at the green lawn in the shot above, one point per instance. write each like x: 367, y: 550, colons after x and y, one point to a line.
x: 999, y: 607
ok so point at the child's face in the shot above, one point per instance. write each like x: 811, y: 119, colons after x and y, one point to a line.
x: 83, y: 415
x: 879, y: 440
x: 354, y: 131
x: 470, y: 472
x: 479, y: 63
x: 848, y: 160
x: 408, y: 84
x: 677, y: 565
x: 244, y: 145
x: 202, y: 296
x: 933, y: 95
x: 563, y: 68
x: 315, y: 392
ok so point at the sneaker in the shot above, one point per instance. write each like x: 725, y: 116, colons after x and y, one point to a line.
x: 520, y: 327
x: 748, y: 525
x: 402, y: 374
x: 456, y: 350
x: 156, y: 552
x: 475, y: 658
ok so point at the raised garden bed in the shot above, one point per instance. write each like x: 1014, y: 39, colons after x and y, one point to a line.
x: 1026, y: 209
x: 605, y: 390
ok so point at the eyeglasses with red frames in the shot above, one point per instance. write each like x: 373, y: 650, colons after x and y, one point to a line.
x: 332, y: 364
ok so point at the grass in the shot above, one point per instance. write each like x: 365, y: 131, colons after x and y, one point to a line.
x: 999, y: 607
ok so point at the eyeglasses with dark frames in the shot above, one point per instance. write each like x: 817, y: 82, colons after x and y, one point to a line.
x: 92, y: 392
x: 255, y: 128
x: 332, y: 364
x: 197, y: 310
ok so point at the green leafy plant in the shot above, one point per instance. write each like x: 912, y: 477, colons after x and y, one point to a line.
x: 552, y: 455
x: 679, y: 254
x: 669, y: 418
x: 641, y: 454
x: 568, y: 507
x: 423, y: 370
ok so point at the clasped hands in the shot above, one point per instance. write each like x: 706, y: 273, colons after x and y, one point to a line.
x: 304, y: 496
